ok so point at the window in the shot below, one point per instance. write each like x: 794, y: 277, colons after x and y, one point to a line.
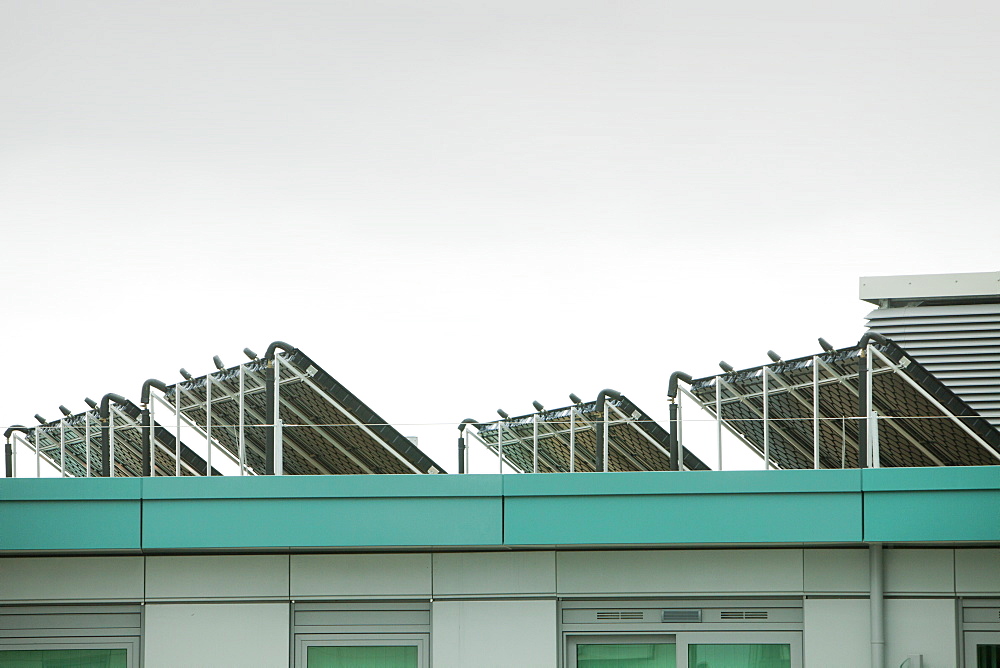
x: 767, y: 649
x: 63, y: 658
x: 372, y: 656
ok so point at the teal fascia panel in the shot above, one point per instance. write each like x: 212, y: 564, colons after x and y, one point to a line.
x: 323, y: 511
x: 678, y: 508
x: 70, y: 514
x: 932, y: 504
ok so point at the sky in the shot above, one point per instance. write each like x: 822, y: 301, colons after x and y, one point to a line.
x: 455, y: 207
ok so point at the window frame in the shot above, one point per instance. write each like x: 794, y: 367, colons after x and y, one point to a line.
x: 303, y: 641
x: 684, y: 639
x: 972, y: 639
x: 129, y: 644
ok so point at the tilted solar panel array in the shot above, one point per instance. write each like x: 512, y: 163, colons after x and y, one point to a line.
x: 637, y: 443
x: 326, y: 429
x: 912, y: 430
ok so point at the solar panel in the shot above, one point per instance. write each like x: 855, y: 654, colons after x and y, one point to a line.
x: 569, y: 434
x: 920, y: 422
x: 79, y: 436
x: 325, y: 428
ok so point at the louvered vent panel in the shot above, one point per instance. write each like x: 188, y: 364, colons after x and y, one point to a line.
x: 681, y: 615
x: 959, y: 344
x: 620, y: 615
x: 743, y: 614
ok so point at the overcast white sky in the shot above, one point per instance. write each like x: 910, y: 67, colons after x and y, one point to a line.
x: 459, y: 206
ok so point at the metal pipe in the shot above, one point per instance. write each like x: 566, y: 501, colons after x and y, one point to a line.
x: 775, y: 357
x: 104, y: 413
x: 271, y: 415
x: 8, y: 452
x: 877, y: 602
x: 600, y: 429
x: 462, y: 448
x: 675, y: 457
x: 825, y: 346
x: 862, y: 410
x: 146, y: 423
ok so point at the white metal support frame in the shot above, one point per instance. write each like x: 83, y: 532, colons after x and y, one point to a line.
x: 927, y: 395
x: 534, y: 443
x: 279, y: 449
x: 38, y: 452
x: 241, y: 437
x: 718, y: 420
x: 869, y: 386
x: 152, y: 437
x: 767, y: 423
x: 86, y: 436
x: 208, y: 425
x: 111, y: 442
x: 815, y: 365
x: 62, y: 448
x: 572, y: 439
x: 500, y: 444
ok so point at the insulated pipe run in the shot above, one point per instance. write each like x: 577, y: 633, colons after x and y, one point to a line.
x: 599, y: 455
x: 462, y: 448
x: 675, y: 447
x: 104, y: 414
x: 876, y: 569
x: 147, y: 425
x: 8, y: 450
x: 270, y: 415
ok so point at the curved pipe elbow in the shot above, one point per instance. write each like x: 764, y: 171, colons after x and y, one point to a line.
x: 872, y: 336
x: 465, y: 423
x: 672, y: 383
x: 106, y: 403
x: 152, y: 382
x: 604, y: 394
x: 287, y: 347
x: 16, y: 427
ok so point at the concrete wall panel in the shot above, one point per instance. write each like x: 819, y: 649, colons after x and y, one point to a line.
x: 87, y: 579
x: 836, y: 571
x: 977, y: 571
x: 223, y: 576
x: 680, y: 571
x: 916, y: 571
x: 360, y: 575
x: 921, y: 626
x: 837, y: 632
x: 494, y: 573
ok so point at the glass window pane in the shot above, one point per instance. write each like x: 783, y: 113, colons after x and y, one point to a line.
x: 631, y: 655
x: 367, y: 656
x: 987, y: 656
x: 63, y: 658
x: 740, y: 656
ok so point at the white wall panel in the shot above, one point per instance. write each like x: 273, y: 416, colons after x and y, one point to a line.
x: 360, y: 575
x: 494, y: 573
x: 680, y: 571
x: 71, y: 579
x: 494, y: 634
x: 921, y: 626
x: 224, y: 576
x: 836, y: 571
x: 837, y: 633
x: 211, y: 635
x: 918, y: 571
x: 977, y: 571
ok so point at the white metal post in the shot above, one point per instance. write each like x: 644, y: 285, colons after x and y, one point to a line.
x: 111, y: 441
x: 876, y: 451
x: 208, y: 424
x: 242, y: 442
x: 534, y: 444
x: 279, y: 457
x: 815, y: 412
x: 152, y: 435
x: 869, y: 363
x: 62, y: 448
x: 572, y: 440
x: 718, y: 419
x: 500, y: 444
x: 177, y: 440
x: 767, y: 425
x: 86, y: 437
x: 607, y: 435
x: 38, y: 452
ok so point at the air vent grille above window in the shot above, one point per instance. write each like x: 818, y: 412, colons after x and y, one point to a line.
x: 620, y: 615
x: 743, y: 614
x: 681, y: 615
